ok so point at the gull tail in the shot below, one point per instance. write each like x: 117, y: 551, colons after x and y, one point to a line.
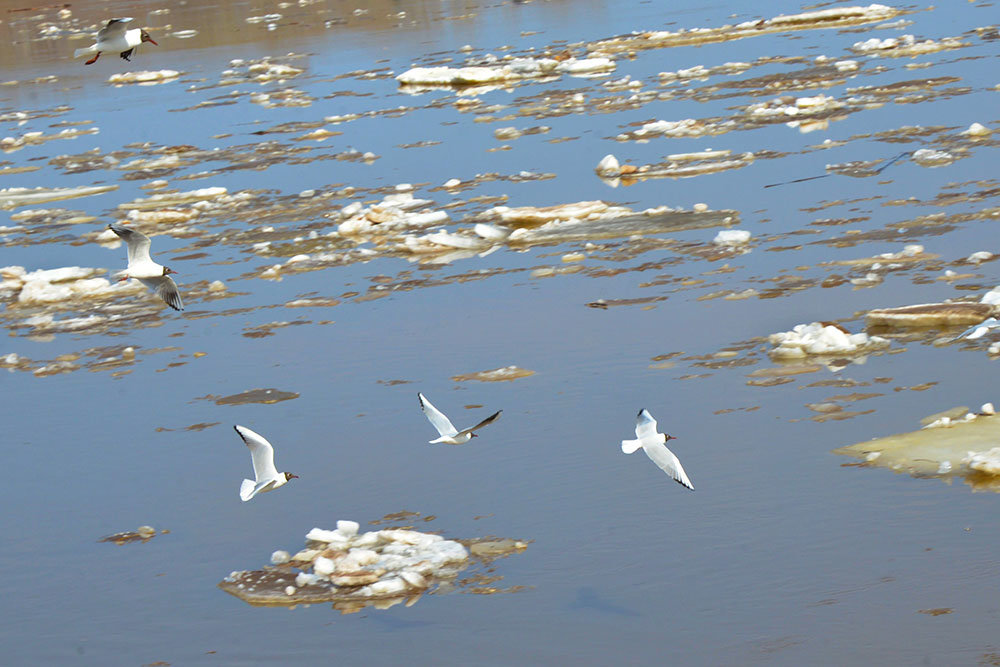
x: 629, y: 446
x: 247, y: 489
x: 89, y: 51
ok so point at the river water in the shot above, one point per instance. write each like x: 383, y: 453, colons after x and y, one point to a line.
x: 783, y: 554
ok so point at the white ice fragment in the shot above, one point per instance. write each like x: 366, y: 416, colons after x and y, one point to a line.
x: 280, y: 557
x: 608, y: 166
x: 992, y: 297
x: 323, y: 566
x: 347, y: 528
x: 413, y: 578
x: 303, y: 579
x: 987, y: 409
x: 217, y: 286
x: 977, y: 130
x: 732, y: 237
x: 452, y: 183
x: 944, y: 468
x: 987, y: 461
x: 980, y: 256
x: 289, y: 590
x: 490, y: 232
x: 390, y: 586
x: 320, y: 535
x: 815, y: 338
x: 297, y: 258
x: 927, y: 157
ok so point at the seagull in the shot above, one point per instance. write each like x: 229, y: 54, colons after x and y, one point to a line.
x: 655, y: 446
x: 114, y: 37
x: 144, y: 269
x: 268, y: 477
x: 979, y: 330
x: 449, y: 434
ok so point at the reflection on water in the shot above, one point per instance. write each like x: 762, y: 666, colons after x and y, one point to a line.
x: 340, y: 236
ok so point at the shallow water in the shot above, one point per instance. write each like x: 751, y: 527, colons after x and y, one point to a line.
x: 781, y: 556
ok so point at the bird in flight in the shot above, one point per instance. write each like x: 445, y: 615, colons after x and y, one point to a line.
x: 654, y: 444
x: 114, y: 37
x: 449, y: 434
x: 262, y: 454
x: 141, y: 267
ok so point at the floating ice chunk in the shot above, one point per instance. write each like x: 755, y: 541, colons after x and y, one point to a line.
x: 280, y: 557
x: 927, y: 157
x: 144, y: 77
x: 987, y: 409
x: 732, y: 237
x: 490, y: 232
x: 289, y: 590
x: 977, y: 130
x: 391, y: 586
x: 303, y: 579
x: 981, y: 256
x: 320, y: 535
x: 323, y: 566
x: 819, y: 339
x: 608, y: 166
x: 987, y: 461
x: 347, y: 528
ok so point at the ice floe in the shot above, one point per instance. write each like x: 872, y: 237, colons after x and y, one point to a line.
x: 822, y: 339
x: 353, y: 570
x: 954, y: 443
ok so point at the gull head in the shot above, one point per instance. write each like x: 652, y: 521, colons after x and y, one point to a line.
x: 167, y: 271
x: 146, y: 38
x: 289, y: 476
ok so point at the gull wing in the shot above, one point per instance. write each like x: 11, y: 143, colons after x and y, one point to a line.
x: 486, y: 422
x: 113, y: 29
x: 137, y: 242
x: 166, y: 289
x: 979, y: 330
x: 436, y: 417
x: 262, y: 454
x: 645, y: 425
x: 667, y: 462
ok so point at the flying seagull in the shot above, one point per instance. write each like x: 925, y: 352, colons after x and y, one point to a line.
x: 449, y: 434
x: 655, y: 447
x: 114, y: 37
x: 268, y: 477
x: 144, y: 269
x: 979, y: 330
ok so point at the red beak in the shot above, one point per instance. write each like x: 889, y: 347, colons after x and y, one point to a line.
x: 152, y: 42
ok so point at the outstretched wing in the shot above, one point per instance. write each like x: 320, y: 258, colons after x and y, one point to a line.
x: 436, y: 417
x: 166, y: 289
x: 261, y: 452
x: 486, y: 422
x: 668, y: 463
x: 645, y: 425
x: 113, y: 29
x: 137, y: 242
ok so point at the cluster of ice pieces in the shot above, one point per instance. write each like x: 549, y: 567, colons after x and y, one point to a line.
x: 144, y: 78
x: 502, y: 70
x: 732, y: 237
x: 344, y: 565
x: 987, y: 410
x: 46, y: 286
x: 820, y: 339
x: 905, y: 45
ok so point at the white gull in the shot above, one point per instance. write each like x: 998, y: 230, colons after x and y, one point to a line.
x: 654, y: 444
x: 449, y: 434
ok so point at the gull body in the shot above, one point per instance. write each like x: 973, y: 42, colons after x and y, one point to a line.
x: 141, y: 267
x: 262, y: 454
x: 449, y: 434
x: 654, y: 444
x: 115, y: 37
x: 979, y: 330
